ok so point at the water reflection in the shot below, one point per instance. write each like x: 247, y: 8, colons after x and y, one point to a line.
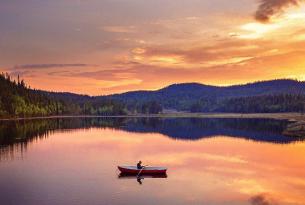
x: 264, y: 130
x: 140, y: 179
x: 16, y: 135
x: 182, y: 128
x: 74, y: 161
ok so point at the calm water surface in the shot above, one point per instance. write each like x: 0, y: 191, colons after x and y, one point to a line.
x: 210, y: 161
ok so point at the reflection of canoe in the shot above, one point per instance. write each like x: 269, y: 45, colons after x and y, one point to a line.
x: 134, y: 176
x: 146, y: 170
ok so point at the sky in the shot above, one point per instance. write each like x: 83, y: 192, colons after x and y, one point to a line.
x: 100, y: 47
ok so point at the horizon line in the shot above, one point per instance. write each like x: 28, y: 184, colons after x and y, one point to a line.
x: 152, y: 90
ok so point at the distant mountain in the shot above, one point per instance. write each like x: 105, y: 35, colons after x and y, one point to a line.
x: 194, y: 90
x: 209, y: 98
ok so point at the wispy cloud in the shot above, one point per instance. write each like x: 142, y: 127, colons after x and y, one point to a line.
x: 119, y: 29
x: 269, y: 8
x: 45, y: 66
x: 110, y: 75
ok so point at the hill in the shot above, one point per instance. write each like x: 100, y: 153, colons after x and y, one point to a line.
x: 16, y: 99
x: 266, y: 96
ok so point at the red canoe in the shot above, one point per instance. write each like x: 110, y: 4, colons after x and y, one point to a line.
x: 146, y: 170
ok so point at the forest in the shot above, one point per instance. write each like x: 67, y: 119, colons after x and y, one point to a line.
x: 283, y: 95
x: 253, y: 104
x: 19, y: 100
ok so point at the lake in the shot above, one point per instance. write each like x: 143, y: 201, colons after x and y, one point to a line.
x: 210, y: 161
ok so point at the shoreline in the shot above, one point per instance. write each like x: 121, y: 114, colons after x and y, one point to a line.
x: 295, y: 128
x: 293, y: 117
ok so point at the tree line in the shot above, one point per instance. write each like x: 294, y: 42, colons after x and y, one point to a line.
x: 19, y: 100
x: 275, y: 103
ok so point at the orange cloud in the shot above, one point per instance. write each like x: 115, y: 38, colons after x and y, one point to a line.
x: 118, y: 55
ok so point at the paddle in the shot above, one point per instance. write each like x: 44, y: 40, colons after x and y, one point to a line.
x: 141, y: 170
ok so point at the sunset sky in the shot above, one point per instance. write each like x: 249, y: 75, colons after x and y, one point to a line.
x: 110, y: 46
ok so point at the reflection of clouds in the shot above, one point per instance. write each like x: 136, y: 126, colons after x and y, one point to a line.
x: 249, y: 185
x: 185, y: 157
x: 262, y: 199
x: 238, y: 167
x: 246, y: 170
x: 220, y: 169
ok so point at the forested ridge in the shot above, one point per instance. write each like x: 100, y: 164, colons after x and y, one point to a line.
x: 19, y: 100
x: 282, y: 95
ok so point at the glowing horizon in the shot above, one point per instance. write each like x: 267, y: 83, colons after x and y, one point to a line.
x: 105, y: 47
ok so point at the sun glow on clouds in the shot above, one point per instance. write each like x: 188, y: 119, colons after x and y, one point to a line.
x: 119, y: 29
x: 234, y: 60
x: 298, y: 77
x: 174, y: 59
x: 237, y: 55
x: 124, y: 82
x: 257, y: 30
x: 254, y: 30
x: 138, y: 51
x: 143, y: 52
x: 139, y: 55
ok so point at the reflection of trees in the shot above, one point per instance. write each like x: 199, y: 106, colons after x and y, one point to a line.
x: 264, y: 130
x: 16, y: 135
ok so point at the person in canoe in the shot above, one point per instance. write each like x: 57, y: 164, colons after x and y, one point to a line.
x: 139, y: 165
